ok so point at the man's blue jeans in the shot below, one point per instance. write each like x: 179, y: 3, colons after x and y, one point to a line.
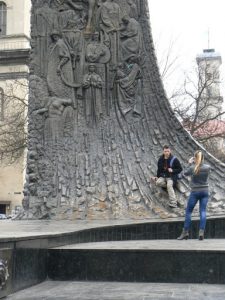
x: 203, y: 197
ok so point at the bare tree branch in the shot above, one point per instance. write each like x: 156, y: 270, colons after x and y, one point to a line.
x: 198, y: 110
x: 13, y: 139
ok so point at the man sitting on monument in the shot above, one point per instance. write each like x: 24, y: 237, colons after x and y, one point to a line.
x: 169, y: 168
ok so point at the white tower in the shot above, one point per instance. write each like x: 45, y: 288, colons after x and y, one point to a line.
x: 209, y: 63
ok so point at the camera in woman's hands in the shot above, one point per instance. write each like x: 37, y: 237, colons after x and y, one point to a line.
x: 191, y: 160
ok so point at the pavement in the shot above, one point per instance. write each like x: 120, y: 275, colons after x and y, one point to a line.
x: 12, y: 229
x: 26, y: 228
x: 57, y: 290
x: 184, y: 245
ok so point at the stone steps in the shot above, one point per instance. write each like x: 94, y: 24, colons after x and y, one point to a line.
x: 86, y: 290
x: 140, y: 251
x: 165, y: 261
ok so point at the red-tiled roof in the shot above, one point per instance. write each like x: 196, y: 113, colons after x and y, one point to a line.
x: 213, y: 127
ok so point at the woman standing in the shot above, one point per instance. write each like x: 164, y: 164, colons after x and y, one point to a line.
x: 199, y: 173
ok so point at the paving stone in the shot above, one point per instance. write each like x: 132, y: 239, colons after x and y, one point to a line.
x: 193, y: 245
x: 54, y: 290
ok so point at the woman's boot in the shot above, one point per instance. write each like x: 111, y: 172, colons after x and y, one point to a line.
x: 184, y: 235
x: 201, y: 235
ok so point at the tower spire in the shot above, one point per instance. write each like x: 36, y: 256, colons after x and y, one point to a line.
x: 208, y: 38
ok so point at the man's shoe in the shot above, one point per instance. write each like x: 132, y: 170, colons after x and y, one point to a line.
x: 173, y: 204
x: 180, y: 203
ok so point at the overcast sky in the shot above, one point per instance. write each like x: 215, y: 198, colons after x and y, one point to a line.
x: 187, y: 22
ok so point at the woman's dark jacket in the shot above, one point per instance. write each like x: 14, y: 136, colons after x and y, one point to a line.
x: 199, y: 181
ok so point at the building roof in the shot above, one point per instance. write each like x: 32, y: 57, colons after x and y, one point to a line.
x: 212, y: 127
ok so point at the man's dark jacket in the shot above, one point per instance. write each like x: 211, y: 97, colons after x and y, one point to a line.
x: 164, y: 164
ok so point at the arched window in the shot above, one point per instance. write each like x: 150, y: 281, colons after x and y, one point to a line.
x: 3, y: 15
x: 1, y: 104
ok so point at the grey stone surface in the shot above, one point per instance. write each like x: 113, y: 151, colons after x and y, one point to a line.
x: 50, y: 290
x: 171, y: 261
x: 19, y: 229
x: 189, y: 245
x: 95, y: 133
x: 31, y: 228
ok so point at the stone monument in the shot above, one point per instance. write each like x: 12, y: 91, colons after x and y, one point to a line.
x: 99, y: 116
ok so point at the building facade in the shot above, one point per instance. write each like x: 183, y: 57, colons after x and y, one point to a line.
x: 14, y: 57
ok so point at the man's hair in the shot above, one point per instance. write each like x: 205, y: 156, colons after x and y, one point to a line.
x: 166, y: 147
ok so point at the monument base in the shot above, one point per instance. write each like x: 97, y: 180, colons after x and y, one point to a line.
x: 35, y: 257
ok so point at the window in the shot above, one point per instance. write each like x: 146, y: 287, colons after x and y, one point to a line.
x: 1, y: 104
x: 3, y: 14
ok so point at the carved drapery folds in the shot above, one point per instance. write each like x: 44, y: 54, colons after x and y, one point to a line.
x: 97, y: 112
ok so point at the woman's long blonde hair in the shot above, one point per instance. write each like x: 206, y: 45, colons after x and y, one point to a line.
x: 199, y: 158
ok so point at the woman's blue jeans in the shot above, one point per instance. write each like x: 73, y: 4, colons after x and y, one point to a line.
x: 202, y: 197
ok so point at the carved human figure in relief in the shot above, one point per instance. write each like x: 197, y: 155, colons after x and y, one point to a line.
x: 131, y: 39
x: 91, y: 5
x: 70, y: 3
x: 110, y: 20
x: 133, y: 10
x: 60, y: 69
x: 45, y: 21
x: 92, y: 84
x: 110, y: 16
x: 66, y: 12
x: 74, y: 40
x: 57, y: 110
x: 128, y: 79
x: 53, y: 128
x: 96, y: 51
